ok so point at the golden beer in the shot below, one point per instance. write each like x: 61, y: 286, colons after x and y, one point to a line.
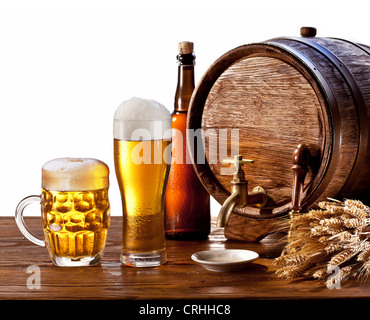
x: 142, y: 156
x: 142, y: 174
x: 75, y: 222
x: 75, y: 211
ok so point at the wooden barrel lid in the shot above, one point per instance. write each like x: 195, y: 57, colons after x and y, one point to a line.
x: 275, y: 103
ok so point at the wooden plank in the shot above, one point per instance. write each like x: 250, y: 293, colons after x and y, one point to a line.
x: 180, y: 278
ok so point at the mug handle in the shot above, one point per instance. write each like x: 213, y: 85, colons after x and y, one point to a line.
x: 20, y: 222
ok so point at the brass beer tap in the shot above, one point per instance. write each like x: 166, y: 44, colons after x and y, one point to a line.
x: 239, y: 192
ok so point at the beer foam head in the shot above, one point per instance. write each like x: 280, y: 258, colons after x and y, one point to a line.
x: 75, y: 174
x: 142, y: 119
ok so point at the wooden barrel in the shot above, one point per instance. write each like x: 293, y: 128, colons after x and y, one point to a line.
x: 278, y: 94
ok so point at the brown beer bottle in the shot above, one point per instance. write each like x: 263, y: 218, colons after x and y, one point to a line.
x: 187, y: 214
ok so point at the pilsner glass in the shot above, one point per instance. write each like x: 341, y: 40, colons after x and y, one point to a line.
x: 75, y: 211
x: 142, y: 155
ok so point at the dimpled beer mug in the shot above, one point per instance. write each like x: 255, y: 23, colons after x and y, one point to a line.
x: 75, y: 211
x: 142, y: 156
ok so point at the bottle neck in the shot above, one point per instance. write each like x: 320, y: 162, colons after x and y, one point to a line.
x: 185, y: 82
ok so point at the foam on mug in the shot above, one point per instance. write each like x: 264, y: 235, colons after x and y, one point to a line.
x: 142, y: 119
x: 75, y: 174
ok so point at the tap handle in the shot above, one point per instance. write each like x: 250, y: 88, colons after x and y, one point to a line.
x: 238, y: 161
x: 301, y: 158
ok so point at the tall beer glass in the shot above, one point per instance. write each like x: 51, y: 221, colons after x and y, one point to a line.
x: 75, y: 211
x: 142, y: 155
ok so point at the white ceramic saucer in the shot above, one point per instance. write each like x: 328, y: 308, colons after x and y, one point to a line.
x: 224, y: 260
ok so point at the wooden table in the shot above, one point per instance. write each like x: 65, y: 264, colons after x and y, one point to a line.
x: 180, y: 278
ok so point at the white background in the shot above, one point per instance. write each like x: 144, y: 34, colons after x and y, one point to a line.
x: 65, y: 66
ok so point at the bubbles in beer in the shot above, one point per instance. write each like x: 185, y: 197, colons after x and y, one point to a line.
x: 76, y: 223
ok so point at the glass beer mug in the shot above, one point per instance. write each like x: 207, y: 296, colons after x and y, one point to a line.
x: 75, y: 211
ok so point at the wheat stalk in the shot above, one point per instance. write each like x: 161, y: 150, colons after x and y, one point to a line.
x: 336, y: 235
